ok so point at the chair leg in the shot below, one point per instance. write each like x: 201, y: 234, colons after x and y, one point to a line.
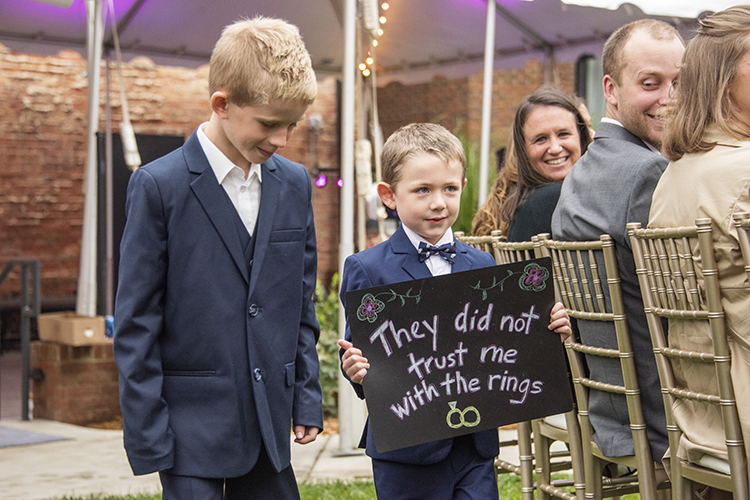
x: 576, y: 454
x: 542, y: 461
x: 526, y: 460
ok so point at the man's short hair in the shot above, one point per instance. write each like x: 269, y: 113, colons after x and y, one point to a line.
x: 415, y: 138
x: 261, y: 60
x: 613, y: 60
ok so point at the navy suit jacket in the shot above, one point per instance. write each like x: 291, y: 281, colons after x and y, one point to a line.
x: 393, y: 261
x: 216, y: 352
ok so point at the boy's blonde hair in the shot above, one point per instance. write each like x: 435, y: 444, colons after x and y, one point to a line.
x: 261, y: 60
x: 413, y: 139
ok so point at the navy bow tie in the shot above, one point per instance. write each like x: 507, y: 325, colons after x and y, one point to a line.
x: 447, y: 251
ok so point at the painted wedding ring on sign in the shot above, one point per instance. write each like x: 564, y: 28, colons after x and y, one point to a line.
x: 461, y: 416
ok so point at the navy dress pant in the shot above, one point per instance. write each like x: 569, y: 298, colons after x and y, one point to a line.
x: 261, y: 483
x: 462, y: 475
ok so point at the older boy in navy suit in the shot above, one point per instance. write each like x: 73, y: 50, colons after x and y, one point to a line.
x: 215, y: 324
x: 423, y: 176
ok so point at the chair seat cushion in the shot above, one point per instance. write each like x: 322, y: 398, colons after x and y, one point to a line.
x: 557, y: 420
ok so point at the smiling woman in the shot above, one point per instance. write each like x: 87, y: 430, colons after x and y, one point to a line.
x: 548, y: 136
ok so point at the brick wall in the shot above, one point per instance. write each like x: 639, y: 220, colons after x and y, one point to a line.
x: 43, y: 146
x: 79, y: 385
x: 43, y: 101
x: 457, y: 104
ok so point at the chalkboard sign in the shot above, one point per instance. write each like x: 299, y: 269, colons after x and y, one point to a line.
x: 459, y: 353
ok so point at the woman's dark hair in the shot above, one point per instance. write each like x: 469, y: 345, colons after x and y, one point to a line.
x: 500, y: 207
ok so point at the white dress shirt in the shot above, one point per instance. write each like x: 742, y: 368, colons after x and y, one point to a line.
x: 616, y: 122
x: 244, y: 193
x: 437, y: 265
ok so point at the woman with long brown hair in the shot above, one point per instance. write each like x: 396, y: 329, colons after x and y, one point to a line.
x: 548, y: 136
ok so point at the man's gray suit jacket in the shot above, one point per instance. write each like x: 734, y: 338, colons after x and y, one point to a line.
x: 610, y: 186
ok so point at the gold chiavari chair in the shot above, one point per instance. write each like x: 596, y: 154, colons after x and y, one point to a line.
x: 563, y: 428
x: 678, y: 278
x: 525, y: 467
x: 586, y: 274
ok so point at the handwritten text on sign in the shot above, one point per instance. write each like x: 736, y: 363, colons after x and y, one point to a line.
x: 459, y: 353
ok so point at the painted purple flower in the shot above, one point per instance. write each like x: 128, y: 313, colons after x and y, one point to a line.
x: 534, y: 278
x: 369, y: 308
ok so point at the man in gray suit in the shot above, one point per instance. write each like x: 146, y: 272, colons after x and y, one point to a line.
x: 610, y: 186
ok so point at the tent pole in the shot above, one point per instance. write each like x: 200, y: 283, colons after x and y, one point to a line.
x: 351, y: 410
x: 489, y: 60
x: 86, y: 294
x: 109, y: 259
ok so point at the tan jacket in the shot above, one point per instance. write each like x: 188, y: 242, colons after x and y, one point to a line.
x: 714, y: 184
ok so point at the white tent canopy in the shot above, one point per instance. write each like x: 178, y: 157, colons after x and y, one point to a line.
x: 421, y: 38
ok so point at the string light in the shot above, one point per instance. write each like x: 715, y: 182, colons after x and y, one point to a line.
x: 364, y: 67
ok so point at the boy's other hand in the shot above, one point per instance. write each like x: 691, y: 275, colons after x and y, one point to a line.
x: 559, y: 322
x: 354, y: 364
x: 304, y: 434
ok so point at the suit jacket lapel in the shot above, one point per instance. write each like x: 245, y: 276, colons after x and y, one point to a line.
x: 269, y: 200
x: 462, y: 261
x: 402, y: 246
x: 214, y: 201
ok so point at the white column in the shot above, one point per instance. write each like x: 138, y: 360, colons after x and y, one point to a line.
x: 86, y: 294
x: 351, y: 409
x: 489, y: 60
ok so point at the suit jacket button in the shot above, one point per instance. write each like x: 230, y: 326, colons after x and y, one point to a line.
x: 257, y: 374
x: 253, y: 310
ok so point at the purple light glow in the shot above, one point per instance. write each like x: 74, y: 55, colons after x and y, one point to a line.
x: 321, y: 181
x: 340, y: 183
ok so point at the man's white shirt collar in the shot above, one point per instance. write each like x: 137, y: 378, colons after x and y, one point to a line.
x: 616, y: 122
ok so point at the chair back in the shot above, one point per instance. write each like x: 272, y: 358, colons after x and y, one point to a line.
x: 507, y: 252
x: 586, y: 274
x: 678, y: 279
x: 479, y: 242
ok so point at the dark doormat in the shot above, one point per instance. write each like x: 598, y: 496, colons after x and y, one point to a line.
x: 19, y: 437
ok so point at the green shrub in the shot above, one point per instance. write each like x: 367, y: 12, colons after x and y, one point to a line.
x: 327, y: 311
x: 470, y: 194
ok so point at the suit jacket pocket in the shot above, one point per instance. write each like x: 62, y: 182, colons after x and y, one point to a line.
x: 290, y: 374
x: 189, y: 373
x: 284, y: 235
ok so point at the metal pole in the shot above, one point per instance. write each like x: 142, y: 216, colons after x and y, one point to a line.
x: 489, y: 59
x: 351, y: 411
x: 86, y: 293
x: 109, y: 258
x: 25, y: 340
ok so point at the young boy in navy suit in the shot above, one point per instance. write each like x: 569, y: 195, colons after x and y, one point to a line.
x: 215, y: 324
x: 423, y: 176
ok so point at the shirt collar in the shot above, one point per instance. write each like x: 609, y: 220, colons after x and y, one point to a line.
x: 220, y: 164
x: 617, y: 122
x: 416, y: 239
